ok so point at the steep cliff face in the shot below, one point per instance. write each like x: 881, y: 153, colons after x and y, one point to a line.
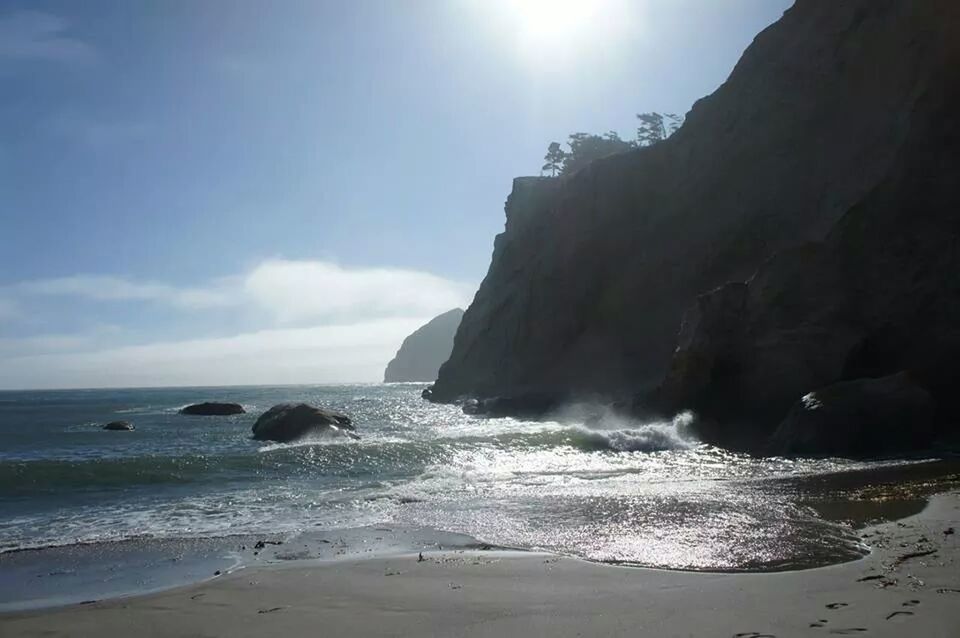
x: 422, y: 352
x: 879, y: 295
x: 592, y: 274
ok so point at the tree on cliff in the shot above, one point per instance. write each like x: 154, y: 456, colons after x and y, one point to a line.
x: 585, y: 148
x: 554, y: 159
x: 655, y: 127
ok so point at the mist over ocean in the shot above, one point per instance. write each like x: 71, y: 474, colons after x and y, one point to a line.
x: 638, y: 493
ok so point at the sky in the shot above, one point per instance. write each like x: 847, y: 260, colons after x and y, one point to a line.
x: 218, y: 192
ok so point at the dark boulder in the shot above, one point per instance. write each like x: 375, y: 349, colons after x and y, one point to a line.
x: 213, y: 409
x: 292, y: 421
x: 888, y: 415
x: 531, y: 405
x: 746, y: 351
x: 119, y: 426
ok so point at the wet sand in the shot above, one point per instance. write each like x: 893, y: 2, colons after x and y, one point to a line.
x: 908, y: 585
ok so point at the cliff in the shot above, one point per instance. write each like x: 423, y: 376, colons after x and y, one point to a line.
x: 804, y: 153
x: 422, y: 352
x: 878, y: 296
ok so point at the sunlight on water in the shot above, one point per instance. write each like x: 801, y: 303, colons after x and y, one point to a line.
x: 603, y: 488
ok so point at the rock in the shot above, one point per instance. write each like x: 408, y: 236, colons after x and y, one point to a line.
x: 470, y: 406
x: 890, y: 414
x: 878, y: 295
x: 525, y: 405
x: 746, y: 351
x: 292, y: 421
x: 120, y: 426
x: 423, y: 352
x: 213, y: 409
x: 800, y: 149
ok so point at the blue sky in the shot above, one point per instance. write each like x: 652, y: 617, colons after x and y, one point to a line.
x: 277, y: 192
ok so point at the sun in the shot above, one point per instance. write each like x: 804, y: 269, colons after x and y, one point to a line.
x: 552, y: 21
x: 548, y: 32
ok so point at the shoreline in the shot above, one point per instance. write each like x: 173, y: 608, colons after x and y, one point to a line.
x: 39, y: 579
x: 909, y: 582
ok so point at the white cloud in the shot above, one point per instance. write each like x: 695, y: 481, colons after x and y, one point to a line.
x: 321, y: 323
x: 289, y: 291
x: 323, y: 354
x: 34, y: 35
x: 295, y: 291
x: 108, y: 288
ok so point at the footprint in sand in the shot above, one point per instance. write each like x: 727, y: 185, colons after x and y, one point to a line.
x: 848, y: 631
x: 911, y: 603
x: 753, y: 634
x: 899, y: 614
x: 820, y: 623
x: 837, y: 605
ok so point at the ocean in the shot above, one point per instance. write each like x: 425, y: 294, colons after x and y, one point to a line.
x: 603, y: 489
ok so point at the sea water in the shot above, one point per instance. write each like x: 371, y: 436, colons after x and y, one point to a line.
x: 606, y: 489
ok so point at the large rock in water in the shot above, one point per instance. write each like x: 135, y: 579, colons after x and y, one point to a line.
x: 292, y: 421
x: 861, y: 417
x: 834, y: 134
x: 423, y: 352
x: 213, y: 409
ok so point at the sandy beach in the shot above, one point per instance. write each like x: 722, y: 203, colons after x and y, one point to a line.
x: 908, y: 585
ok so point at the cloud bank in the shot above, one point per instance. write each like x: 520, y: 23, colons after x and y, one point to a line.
x: 289, y: 291
x: 322, y: 354
x: 317, y: 322
x: 108, y: 288
x: 295, y: 291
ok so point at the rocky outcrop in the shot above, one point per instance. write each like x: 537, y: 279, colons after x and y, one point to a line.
x: 891, y: 414
x: 119, y: 426
x: 291, y: 421
x: 213, y: 409
x: 423, y: 352
x: 879, y: 294
x: 799, y: 162
x: 743, y: 354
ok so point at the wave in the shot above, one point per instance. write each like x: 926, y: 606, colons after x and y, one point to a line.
x: 648, y: 438
x: 615, y: 433
x: 373, y: 455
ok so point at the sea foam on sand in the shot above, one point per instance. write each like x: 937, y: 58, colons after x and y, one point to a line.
x: 908, y: 585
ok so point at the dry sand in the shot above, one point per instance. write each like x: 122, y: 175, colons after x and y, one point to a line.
x: 908, y: 586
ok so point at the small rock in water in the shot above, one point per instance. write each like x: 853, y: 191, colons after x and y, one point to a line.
x: 119, y: 426
x: 210, y: 408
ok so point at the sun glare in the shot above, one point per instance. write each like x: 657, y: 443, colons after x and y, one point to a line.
x: 547, y: 21
x: 550, y: 30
